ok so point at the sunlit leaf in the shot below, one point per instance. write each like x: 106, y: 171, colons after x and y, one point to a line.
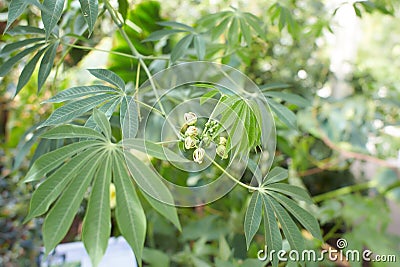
x: 28, y: 70
x: 46, y: 64
x: 181, y: 47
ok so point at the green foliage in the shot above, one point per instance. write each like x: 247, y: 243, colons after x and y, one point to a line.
x: 78, y: 151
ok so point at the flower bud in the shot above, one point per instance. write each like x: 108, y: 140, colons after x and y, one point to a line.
x: 198, y: 155
x: 221, y: 151
x: 222, y: 140
x: 191, y: 131
x: 190, y: 118
x: 190, y: 142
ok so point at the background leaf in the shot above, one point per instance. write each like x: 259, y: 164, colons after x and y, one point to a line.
x: 74, y: 109
x: 108, y: 76
x: 51, y: 14
x: 181, y: 47
x: 61, y: 215
x: 53, y: 159
x: 168, y: 211
x: 90, y: 10
x: 52, y: 187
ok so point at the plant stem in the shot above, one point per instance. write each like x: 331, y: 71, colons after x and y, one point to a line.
x: 344, y: 191
x: 233, y: 178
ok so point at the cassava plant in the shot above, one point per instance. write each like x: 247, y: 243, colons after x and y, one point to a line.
x: 111, y: 133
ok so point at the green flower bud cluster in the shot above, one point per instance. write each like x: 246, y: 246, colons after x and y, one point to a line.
x: 194, y: 140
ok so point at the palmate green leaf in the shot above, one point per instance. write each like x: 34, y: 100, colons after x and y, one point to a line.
x: 76, y: 108
x: 96, y: 227
x: 129, y: 213
x: 24, y: 30
x: 168, y: 211
x: 79, y: 91
x: 51, y: 188
x: 277, y: 174
x: 153, y: 149
x: 53, y: 159
x: 72, y: 131
x: 28, y: 70
x: 90, y: 11
x: 290, y: 229
x: 304, y: 217
x: 147, y: 179
x: 108, y: 76
x: 46, y: 64
x: 284, y: 114
x: 295, y: 192
x: 108, y: 109
x: 16, y: 8
x: 253, y: 217
x: 8, y: 48
x: 181, y: 47
x: 61, y: 215
x: 273, y: 238
x: 129, y: 117
x: 51, y: 14
x: 7, y: 65
x: 103, y: 123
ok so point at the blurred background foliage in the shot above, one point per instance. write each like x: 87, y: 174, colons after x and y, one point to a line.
x: 346, y: 150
